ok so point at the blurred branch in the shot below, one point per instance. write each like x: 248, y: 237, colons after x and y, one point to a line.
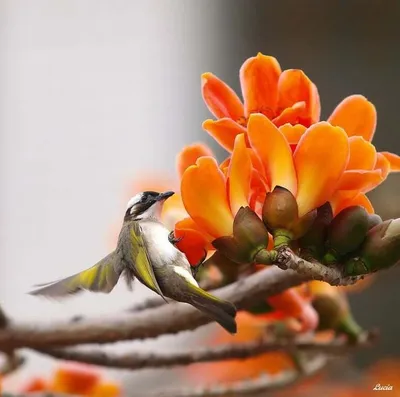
x: 134, y: 360
x: 167, y: 319
x: 263, y: 384
x: 172, y: 318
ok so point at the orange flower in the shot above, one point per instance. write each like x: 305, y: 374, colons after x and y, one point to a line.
x: 284, y: 97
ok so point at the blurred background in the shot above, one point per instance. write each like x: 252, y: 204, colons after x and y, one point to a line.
x: 97, y: 94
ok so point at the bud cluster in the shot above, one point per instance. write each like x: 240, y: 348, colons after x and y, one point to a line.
x: 355, y: 240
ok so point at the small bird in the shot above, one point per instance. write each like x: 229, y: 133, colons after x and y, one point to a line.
x: 144, y: 251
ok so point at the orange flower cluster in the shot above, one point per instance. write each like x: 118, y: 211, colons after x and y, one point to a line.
x: 76, y: 379
x: 275, y: 138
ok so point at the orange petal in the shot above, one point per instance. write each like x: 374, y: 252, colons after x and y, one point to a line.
x: 259, y: 77
x: 239, y: 175
x: 320, y: 160
x: 394, y: 161
x: 293, y: 133
x: 35, y: 384
x: 203, y: 189
x: 292, y: 115
x: 189, y: 155
x: 292, y: 304
x: 356, y: 115
x: 293, y: 87
x: 347, y: 198
x: 274, y: 151
x: 106, y: 389
x: 362, y: 154
x: 220, y: 99
x: 224, y: 131
x: 360, y: 180
x: 74, y: 379
x: 194, y: 243
x: 383, y: 164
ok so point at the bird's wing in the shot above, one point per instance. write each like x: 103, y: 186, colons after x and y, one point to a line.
x: 102, y: 277
x: 142, y: 266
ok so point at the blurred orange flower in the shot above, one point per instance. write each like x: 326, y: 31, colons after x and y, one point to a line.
x: 284, y: 97
x: 77, y: 379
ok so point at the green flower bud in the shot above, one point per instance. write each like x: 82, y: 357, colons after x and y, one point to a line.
x: 280, y: 209
x: 249, y: 236
x: 280, y: 215
x: 346, y: 233
x: 374, y: 220
x: 381, y: 249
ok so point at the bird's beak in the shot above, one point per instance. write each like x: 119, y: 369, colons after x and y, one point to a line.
x: 164, y: 196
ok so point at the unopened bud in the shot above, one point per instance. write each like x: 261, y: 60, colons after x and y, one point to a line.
x: 249, y: 236
x: 346, y: 232
x: 280, y: 214
x: 313, y: 242
x: 374, y: 220
x: 381, y: 249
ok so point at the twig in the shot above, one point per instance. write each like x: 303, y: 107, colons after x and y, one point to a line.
x: 167, y: 319
x: 287, y: 259
x: 263, y: 384
x: 134, y: 360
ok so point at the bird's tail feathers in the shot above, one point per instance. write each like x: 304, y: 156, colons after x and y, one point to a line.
x: 221, y: 311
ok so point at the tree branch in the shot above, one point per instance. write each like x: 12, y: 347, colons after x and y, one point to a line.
x: 263, y: 384
x: 134, y: 360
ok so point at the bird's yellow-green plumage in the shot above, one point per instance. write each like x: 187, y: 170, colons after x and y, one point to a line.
x: 143, y: 269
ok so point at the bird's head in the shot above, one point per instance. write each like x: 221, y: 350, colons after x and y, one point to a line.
x: 146, y: 205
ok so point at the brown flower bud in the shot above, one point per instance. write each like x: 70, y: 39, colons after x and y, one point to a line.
x: 374, y: 220
x: 313, y: 242
x: 346, y: 232
x: 249, y: 237
x: 381, y: 249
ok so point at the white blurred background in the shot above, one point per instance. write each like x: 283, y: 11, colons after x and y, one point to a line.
x: 93, y: 94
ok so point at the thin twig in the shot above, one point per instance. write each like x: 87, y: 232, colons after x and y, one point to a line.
x: 263, y: 384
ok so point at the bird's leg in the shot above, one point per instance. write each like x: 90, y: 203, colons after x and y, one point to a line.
x: 172, y: 239
x: 197, y: 266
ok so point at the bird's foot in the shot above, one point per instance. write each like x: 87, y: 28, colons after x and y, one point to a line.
x: 172, y: 239
x: 198, y: 265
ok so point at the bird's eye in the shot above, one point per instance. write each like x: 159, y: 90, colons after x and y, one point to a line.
x: 143, y: 199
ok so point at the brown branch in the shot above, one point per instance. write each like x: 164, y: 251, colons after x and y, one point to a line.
x: 134, y: 360
x: 287, y: 259
x: 246, y: 388
x: 167, y: 319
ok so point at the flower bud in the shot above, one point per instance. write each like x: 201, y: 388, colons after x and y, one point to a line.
x: 313, y: 242
x: 249, y: 237
x: 280, y: 214
x: 373, y: 220
x: 381, y: 249
x: 346, y: 232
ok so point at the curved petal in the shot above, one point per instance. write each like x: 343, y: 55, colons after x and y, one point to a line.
x: 274, y: 151
x: 361, y: 180
x: 189, y: 155
x: 356, y: 115
x: 383, y: 164
x: 320, y: 160
x: 394, y: 161
x: 347, y: 198
x: 293, y: 115
x: 220, y: 99
x: 239, y: 175
x: 362, y: 154
x: 203, y: 189
x: 293, y: 87
x: 224, y: 131
x: 194, y: 243
x: 292, y: 133
x: 259, y: 77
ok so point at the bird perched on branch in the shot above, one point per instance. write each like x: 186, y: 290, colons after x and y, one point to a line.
x: 145, y: 252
